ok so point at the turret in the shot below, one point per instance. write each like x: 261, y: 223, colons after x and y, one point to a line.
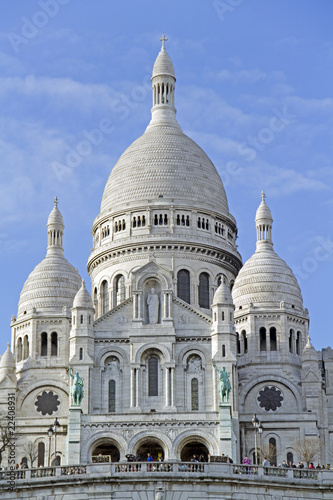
x: 223, y: 330
x: 264, y: 221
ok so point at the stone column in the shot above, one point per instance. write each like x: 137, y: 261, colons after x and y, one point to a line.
x: 132, y: 387
x: 73, y: 444
x: 226, y: 434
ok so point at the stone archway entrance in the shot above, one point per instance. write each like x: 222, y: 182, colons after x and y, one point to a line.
x: 194, y: 448
x: 152, y: 446
x: 104, y: 450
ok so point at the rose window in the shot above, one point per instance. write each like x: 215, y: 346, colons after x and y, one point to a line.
x: 270, y: 398
x: 47, y: 403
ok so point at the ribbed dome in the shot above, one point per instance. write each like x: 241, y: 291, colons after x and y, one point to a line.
x: 83, y: 298
x: 163, y: 64
x: 55, y: 217
x: 222, y: 295
x: 50, y: 286
x: 54, y: 281
x: 7, y: 361
x: 164, y: 163
x: 265, y: 279
x: 263, y: 212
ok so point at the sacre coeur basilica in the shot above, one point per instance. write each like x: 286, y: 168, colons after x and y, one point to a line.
x: 180, y: 353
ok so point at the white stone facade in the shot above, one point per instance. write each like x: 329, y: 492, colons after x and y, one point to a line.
x: 150, y: 378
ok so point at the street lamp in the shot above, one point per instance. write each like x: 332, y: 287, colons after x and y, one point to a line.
x: 50, y: 434
x: 53, y: 430
x: 260, y: 430
x: 256, y: 425
x: 56, y: 424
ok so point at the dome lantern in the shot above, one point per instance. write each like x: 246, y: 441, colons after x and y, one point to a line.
x: 163, y: 84
x: 55, y: 229
x: 264, y: 221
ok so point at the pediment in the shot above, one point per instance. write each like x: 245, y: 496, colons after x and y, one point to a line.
x: 152, y: 270
x: 311, y: 376
x: 118, y: 318
x: 185, y: 314
x: 7, y: 382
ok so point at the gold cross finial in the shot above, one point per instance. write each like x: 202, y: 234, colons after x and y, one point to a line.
x: 163, y: 40
x: 55, y: 201
x: 263, y: 196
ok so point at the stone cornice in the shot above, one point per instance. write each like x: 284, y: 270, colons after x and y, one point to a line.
x: 128, y: 252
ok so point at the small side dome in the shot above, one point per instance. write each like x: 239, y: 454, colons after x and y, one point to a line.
x: 55, y: 217
x: 7, y: 362
x: 163, y: 64
x: 222, y: 295
x: 263, y: 211
x: 83, y: 298
x: 309, y: 352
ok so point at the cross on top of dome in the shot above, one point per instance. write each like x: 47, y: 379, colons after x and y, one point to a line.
x: 163, y: 40
x: 263, y: 196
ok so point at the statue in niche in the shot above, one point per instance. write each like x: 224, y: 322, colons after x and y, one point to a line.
x: 153, y: 304
x: 194, y: 364
x: 113, y: 365
x: 224, y: 385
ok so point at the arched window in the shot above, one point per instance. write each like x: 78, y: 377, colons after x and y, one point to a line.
x: 290, y: 458
x: 41, y: 454
x: 298, y: 343
x: 262, y: 336
x: 81, y: 319
x: 194, y: 394
x: 25, y: 347
x: 54, y: 344
x: 112, y: 396
x: 223, y: 351
x: 43, y: 344
x: 272, y: 339
x: 81, y: 354
x: 120, y: 291
x: 105, y: 297
x: 153, y: 376
x: 204, y: 290
x: 272, y: 450
x: 291, y: 340
x: 19, y: 349
x: 238, y: 344
x: 183, y: 285
x: 95, y: 299
x: 244, y: 340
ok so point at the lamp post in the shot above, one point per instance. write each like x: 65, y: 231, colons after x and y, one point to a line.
x: 256, y: 424
x: 260, y: 430
x: 56, y: 424
x: 50, y: 434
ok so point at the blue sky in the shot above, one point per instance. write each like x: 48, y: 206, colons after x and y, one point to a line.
x: 254, y: 90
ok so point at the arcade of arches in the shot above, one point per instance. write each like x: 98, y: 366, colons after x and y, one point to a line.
x: 155, y: 448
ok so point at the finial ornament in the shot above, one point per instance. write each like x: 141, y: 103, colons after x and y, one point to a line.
x: 263, y: 196
x: 163, y: 40
x: 55, y: 201
x: 8, y: 345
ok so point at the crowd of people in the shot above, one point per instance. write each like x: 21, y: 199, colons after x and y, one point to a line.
x: 290, y: 465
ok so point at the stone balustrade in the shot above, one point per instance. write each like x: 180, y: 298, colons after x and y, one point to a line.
x: 169, y: 469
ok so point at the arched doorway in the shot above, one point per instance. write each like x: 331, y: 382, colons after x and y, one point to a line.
x: 106, y: 449
x: 194, y: 448
x: 152, y: 446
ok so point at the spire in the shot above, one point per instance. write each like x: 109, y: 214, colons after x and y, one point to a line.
x: 163, y: 83
x: 264, y: 221
x: 55, y: 229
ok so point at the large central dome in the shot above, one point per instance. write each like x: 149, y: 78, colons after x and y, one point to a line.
x: 164, y: 162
